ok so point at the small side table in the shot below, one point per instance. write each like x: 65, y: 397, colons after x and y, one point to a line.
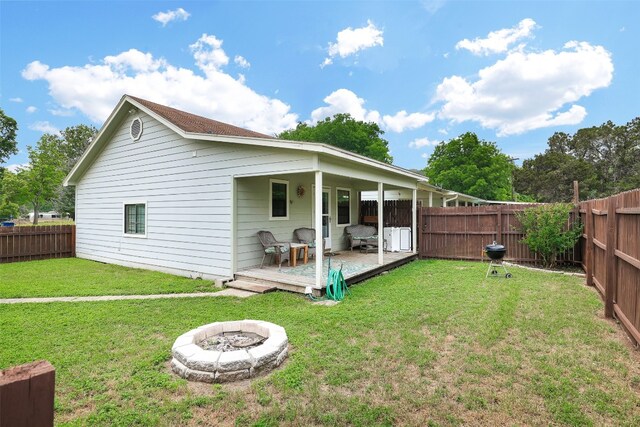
x: 294, y: 252
x: 367, y: 245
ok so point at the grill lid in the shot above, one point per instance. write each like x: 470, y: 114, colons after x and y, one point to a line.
x: 494, y: 247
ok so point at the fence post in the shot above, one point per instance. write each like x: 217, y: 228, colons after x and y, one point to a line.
x: 73, y: 241
x: 499, y: 225
x: 420, y: 228
x: 612, y: 270
x: 588, y: 255
x: 26, y: 395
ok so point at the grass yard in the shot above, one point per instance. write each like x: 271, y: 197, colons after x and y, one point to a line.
x: 431, y: 343
x: 81, y: 277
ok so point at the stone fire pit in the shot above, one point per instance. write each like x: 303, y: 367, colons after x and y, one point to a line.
x: 229, y: 351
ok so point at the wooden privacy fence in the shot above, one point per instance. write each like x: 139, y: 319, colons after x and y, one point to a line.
x: 612, y: 255
x: 463, y: 232
x: 396, y: 213
x: 32, y: 243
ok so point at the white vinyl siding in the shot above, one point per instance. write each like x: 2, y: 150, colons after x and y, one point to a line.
x: 187, y: 187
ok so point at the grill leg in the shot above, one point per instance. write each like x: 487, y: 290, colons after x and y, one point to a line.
x: 489, y: 269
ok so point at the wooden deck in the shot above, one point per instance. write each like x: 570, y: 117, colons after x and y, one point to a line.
x: 356, y: 268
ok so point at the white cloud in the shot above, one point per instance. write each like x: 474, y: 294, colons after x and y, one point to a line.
x: 16, y: 100
x: 31, y: 109
x: 208, y: 53
x: 44, y: 127
x: 135, y: 60
x: 95, y: 88
x: 345, y: 101
x: 499, y: 41
x: 423, y: 142
x: 402, y: 121
x: 241, y: 61
x: 350, y: 41
x: 61, y: 112
x: 443, y: 132
x: 171, y: 15
x: 16, y: 167
x: 526, y: 91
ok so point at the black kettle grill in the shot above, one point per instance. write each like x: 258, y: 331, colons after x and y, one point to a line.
x: 496, y: 252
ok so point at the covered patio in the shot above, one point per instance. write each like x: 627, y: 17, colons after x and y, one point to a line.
x: 326, y: 199
x: 356, y: 267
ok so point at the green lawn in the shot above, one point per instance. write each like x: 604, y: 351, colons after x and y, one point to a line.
x: 80, y: 277
x: 430, y: 343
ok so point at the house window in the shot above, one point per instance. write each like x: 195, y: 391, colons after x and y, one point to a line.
x: 344, y: 206
x: 135, y: 219
x: 278, y: 199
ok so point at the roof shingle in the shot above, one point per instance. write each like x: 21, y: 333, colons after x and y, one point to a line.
x: 193, y: 123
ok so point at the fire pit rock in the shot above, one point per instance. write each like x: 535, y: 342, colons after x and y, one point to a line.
x: 229, y: 351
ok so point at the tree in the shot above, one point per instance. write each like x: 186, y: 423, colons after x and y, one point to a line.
x: 546, y: 231
x: 8, y: 144
x: 605, y: 159
x: 549, y: 177
x: 43, y: 176
x: 343, y: 131
x: 74, y: 142
x: 12, y: 195
x: 471, y: 166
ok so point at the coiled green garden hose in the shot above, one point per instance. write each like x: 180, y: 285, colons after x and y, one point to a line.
x: 336, y: 285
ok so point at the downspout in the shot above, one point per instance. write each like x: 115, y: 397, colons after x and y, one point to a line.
x: 450, y: 200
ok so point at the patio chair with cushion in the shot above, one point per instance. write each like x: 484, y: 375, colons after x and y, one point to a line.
x: 280, y: 250
x: 361, y: 235
x: 308, y: 237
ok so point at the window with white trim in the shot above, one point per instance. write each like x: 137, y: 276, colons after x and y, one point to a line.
x: 343, y: 196
x: 278, y: 199
x: 135, y: 219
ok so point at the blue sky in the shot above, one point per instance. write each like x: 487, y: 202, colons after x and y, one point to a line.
x: 425, y: 71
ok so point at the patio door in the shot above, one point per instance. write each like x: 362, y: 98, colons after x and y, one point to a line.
x: 326, y: 217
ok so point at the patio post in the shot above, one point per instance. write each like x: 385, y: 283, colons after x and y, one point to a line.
x: 318, y: 222
x: 430, y: 199
x: 414, y: 216
x: 380, y: 223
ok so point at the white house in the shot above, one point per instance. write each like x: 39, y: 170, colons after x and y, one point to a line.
x: 163, y: 189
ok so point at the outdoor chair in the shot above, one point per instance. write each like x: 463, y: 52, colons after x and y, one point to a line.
x: 308, y: 237
x: 361, y: 235
x: 280, y: 250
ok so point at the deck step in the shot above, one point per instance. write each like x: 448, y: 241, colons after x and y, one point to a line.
x: 288, y: 284
x: 250, y: 286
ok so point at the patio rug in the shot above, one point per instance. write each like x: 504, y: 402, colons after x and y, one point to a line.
x: 309, y: 270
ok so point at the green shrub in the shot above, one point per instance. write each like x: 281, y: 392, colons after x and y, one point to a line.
x: 547, y: 230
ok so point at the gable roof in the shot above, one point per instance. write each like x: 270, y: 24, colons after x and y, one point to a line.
x: 193, y: 123
x: 200, y: 128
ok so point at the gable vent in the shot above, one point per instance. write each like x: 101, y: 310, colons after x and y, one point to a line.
x: 136, y: 129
